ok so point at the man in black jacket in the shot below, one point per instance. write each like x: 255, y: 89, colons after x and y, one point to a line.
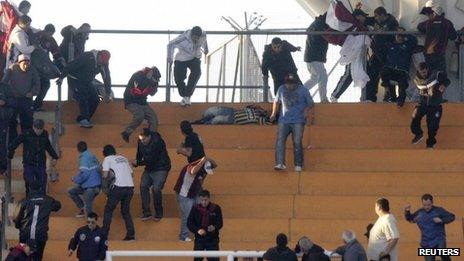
x: 310, y: 251
x: 316, y: 55
x: 81, y: 72
x: 281, y: 252
x: 141, y: 84
x: 382, y: 21
x: 90, y: 241
x: 205, y: 221
x: 431, y: 85
x: 32, y: 218
x: 192, y: 147
x: 5, y: 115
x: 152, y: 153
x: 35, y: 143
x: 277, y: 58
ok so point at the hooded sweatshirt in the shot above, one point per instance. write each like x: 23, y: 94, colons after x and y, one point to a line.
x: 187, y: 50
x: 18, y: 43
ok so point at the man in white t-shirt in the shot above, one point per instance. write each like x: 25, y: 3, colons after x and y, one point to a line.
x: 122, y: 191
x: 384, y: 235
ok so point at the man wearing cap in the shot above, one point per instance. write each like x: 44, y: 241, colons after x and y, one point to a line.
x: 141, y: 84
x: 82, y: 71
x: 90, y: 241
x: 35, y: 143
x: 189, y: 46
x: 22, y: 251
x: 152, y: 153
x: 293, y: 103
x: 24, y: 83
x: 277, y: 58
x: 188, y: 185
x: 32, y: 218
x: 438, y: 30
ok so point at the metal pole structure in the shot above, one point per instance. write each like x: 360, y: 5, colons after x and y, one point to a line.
x: 59, y: 111
x: 461, y: 70
x: 7, y: 184
x: 224, y: 66
x: 220, y: 77
x: 237, y: 64
x: 168, y: 74
x: 3, y: 244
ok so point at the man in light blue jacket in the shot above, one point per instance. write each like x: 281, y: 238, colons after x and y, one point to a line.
x: 88, y: 180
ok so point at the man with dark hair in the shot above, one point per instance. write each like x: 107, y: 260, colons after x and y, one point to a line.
x: 22, y: 251
x: 90, y: 241
x: 87, y: 181
x: 188, y: 185
x: 117, y: 167
x: 316, y: 55
x: 431, y: 85
x: 32, y: 217
x: 24, y: 7
x: 152, y: 153
x: 431, y: 221
x: 293, y: 103
x: 141, y: 84
x: 24, y: 83
x: 81, y: 72
x: 281, y: 251
x: 398, y: 61
x: 19, y: 42
x: 48, y: 43
x: 384, y: 235
x: 35, y: 143
x: 192, y: 147
x: 382, y: 21
x: 277, y: 58
x: 438, y: 31
x: 74, y: 40
x: 189, y: 46
x: 205, y: 222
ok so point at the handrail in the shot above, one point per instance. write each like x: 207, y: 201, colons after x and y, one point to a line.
x: 229, y: 254
x: 261, y: 32
x: 4, y: 223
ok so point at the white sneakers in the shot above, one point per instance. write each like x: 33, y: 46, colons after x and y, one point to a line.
x: 280, y: 167
x: 333, y: 99
x: 298, y: 169
x: 185, y: 101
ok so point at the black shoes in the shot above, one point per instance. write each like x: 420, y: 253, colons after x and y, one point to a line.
x: 417, y: 139
x: 129, y: 238
x: 125, y: 136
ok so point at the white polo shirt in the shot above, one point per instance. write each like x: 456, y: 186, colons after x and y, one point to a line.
x: 121, y: 168
x: 384, y: 229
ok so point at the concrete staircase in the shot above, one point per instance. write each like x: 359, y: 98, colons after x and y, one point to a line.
x: 354, y: 153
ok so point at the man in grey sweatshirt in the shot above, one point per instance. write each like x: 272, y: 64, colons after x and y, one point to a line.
x: 24, y: 83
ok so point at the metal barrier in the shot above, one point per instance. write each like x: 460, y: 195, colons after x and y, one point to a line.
x: 229, y: 254
x: 4, y: 223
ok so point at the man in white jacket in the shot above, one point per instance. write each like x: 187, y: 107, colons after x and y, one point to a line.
x: 19, y: 42
x: 189, y: 46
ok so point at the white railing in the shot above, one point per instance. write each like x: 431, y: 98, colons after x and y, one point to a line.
x: 229, y: 254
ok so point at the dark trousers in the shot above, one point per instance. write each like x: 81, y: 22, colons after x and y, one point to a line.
x: 344, y: 82
x: 374, y: 67
x: 87, y: 97
x: 154, y: 180
x: 44, y: 86
x: 35, y: 173
x: 116, y: 195
x: 202, y: 245
x: 3, y: 145
x: 279, y: 80
x: 180, y: 73
x: 437, y: 62
x: 37, y: 255
x: 22, y: 107
x: 401, y: 77
x: 433, y: 121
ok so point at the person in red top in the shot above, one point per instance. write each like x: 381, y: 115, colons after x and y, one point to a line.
x: 438, y: 30
x: 23, y: 251
x: 141, y: 84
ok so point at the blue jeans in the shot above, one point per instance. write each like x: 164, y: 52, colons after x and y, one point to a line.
x: 185, y: 205
x: 219, y: 115
x: 156, y: 180
x: 284, y: 129
x: 35, y: 173
x: 88, y: 194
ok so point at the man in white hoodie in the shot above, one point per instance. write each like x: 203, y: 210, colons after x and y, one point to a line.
x: 19, y: 42
x: 189, y: 46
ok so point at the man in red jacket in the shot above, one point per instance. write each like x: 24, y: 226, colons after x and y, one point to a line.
x: 23, y: 251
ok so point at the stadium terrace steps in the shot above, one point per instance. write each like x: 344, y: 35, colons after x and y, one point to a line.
x: 354, y: 153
